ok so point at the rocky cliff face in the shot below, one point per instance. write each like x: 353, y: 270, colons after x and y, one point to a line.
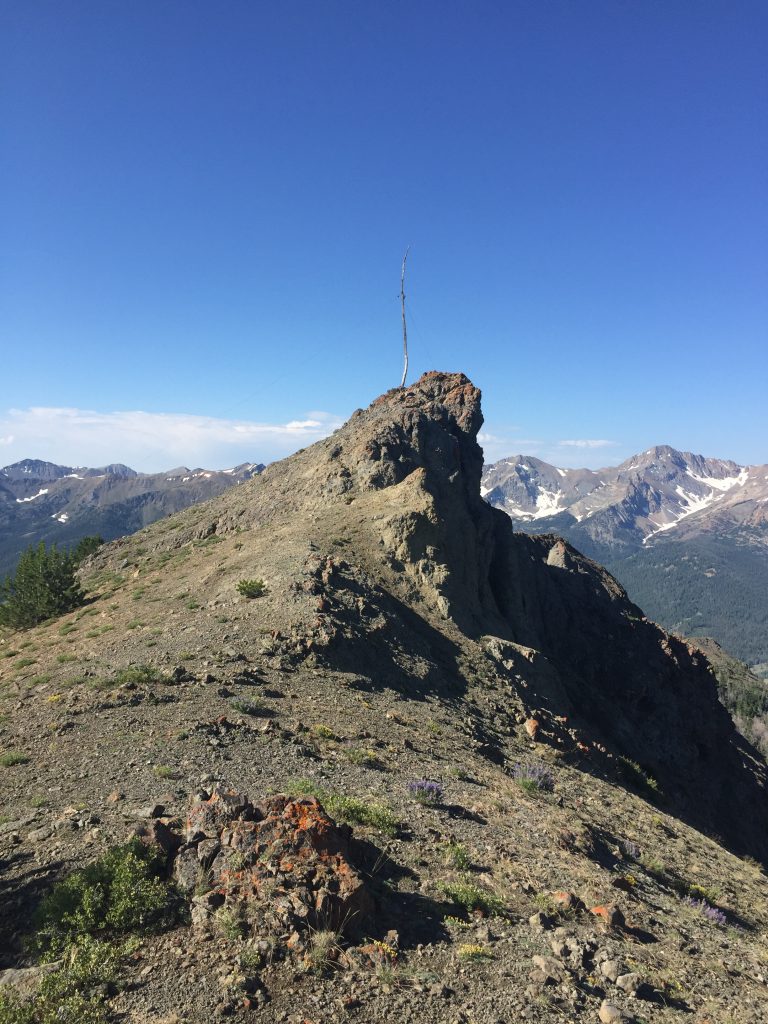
x: 400, y: 484
x: 627, y: 683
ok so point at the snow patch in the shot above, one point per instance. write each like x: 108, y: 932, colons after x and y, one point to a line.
x: 690, y: 503
x: 40, y: 493
x: 724, y: 483
x: 547, y: 503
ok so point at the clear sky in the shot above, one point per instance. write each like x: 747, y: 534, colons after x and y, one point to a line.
x: 204, y: 206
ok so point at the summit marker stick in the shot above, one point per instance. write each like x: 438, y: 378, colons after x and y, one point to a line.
x: 402, y: 308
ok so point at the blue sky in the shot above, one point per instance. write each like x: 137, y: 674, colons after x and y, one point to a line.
x: 204, y: 207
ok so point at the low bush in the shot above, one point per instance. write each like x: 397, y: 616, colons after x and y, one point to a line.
x: 637, y: 777
x: 141, y: 675
x: 255, y: 708
x: 72, y: 992
x: 351, y: 810
x: 713, y: 914
x: 472, y: 897
x: 85, y: 927
x: 533, y: 778
x: 251, y: 588
x: 119, y: 894
x: 365, y: 758
x: 13, y: 757
x: 472, y: 952
x: 457, y: 856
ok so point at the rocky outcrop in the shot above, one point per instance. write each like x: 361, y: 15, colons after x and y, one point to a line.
x: 393, y: 566
x: 274, y: 869
x: 651, y: 699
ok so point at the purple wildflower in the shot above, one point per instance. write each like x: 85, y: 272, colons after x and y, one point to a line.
x: 630, y: 850
x: 426, y: 791
x: 533, y: 777
x: 711, y: 913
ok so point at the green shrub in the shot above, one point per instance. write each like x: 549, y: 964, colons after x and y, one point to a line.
x: 637, y: 777
x: 141, y: 675
x: 70, y: 993
x: 324, y: 732
x: 251, y: 588
x: 256, y: 708
x: 363, y: 812
x: 474, y: 953
x: 13, y: 757
x: 457, y: 856
x: 43, y: 586
x: 366, y: 758
x: 121, y: 893
x: 472, y: 897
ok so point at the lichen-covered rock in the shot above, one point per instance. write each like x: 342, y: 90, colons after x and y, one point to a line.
x: 278, y: 867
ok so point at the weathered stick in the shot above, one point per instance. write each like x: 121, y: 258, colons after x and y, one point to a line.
x: 405, y: 333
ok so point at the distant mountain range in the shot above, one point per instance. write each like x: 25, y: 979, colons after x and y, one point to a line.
x: 44, y: 501
x: 686, y: 535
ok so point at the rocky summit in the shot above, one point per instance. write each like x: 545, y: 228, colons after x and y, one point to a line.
x: 392, y: 757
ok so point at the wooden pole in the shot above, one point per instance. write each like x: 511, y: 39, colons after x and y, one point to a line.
x: 402, y: 308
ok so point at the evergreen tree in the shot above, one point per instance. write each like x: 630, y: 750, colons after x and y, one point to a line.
x: 43, y: 586
x: 85, y: 546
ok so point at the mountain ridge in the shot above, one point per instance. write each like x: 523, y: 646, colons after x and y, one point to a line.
x: 61, y: 504
x: 409, y: 467
x: 683, y: 532
x: 403, y: 635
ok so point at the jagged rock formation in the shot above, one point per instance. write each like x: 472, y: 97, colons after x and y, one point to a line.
x: 404, y: 631
x: 403, y: 477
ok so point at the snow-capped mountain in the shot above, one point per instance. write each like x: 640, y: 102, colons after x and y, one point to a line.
x: 658, y: 491
x: 687, y: 535
x: 44, y: 501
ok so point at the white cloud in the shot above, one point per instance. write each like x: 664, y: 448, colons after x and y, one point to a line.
x: 499, y: 446
x: 588, y: 443
x: 153, y: 441
x: 571, y: 453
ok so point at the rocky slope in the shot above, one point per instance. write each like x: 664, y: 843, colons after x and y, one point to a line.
x: 61, y: 504
x: 594, y: 793
x: 687, y: 536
